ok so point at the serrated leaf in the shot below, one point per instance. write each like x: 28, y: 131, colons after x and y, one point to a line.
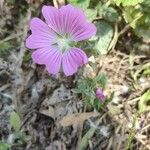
x: 145, y: 98
x: 91, y: 14
x: 139, y: 19
x: 128, y: 2
x: 130, y: 14
x: 104, y: 36
x: 15, y: 121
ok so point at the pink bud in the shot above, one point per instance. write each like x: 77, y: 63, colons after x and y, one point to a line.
x: 100, y: 94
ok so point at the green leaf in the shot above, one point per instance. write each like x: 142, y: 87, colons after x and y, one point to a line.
x: 83, y: 143
x: 91, y: 14
x: 27, y: 57
x: 145, y: 98
x: 94, y: 3
x: 104, y: 36
x: 143, y: 32
x: 128, y: 2
x: 4, y: 146
x: 12, y: 1
x: 111, y: 15
x: 80, y: 3
x: 147, y: 71
x: 108, y: 13
x: 15, y: 121
x: 130, y: 14
x: 101, y: 79
x: 139, y: 20
x: 4, y: 46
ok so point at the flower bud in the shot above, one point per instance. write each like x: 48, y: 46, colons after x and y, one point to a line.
x: 100, y: 94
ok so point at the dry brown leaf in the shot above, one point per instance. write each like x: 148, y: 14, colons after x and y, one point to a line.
x: 76, y: 119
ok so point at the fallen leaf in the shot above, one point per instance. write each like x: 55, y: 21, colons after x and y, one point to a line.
x: 76, y: 119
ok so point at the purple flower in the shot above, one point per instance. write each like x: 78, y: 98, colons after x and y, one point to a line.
x: 100, y: 94
x: 54, y: 39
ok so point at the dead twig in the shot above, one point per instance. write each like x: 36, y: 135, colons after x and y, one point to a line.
x: 58, y: 3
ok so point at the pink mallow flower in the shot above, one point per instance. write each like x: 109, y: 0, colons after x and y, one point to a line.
x: 100, y: 94
x: 54, y: 39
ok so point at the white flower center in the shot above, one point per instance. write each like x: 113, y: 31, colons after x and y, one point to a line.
x: 63, y: 43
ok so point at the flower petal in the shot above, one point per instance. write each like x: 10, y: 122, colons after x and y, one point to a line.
x: 42, y: 35
x: 72, y: 17
x: 62, y: 20
x: 40, y: 56
x: 73, y: 59
x: 52, y: 17
x: 50, y: 57
x: 83, y: 32
x: 75, y: 24
x: 54, y: 63
x: 69, y: 20
x: 100, y: 94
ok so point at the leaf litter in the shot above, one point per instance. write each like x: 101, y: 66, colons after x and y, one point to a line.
x: 52, y: 114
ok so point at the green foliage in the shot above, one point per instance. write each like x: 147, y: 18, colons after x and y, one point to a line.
x: 130, y: 15
x: 85, y: 4
x: 4, y: 146
x: 15, y: 121
x: 85, y: 139
x: 147, y: 72
x: 103, y: 36
x: 139, y: 19
x: 11, y: 1
x: 87, y: 88
x: 80, y: 3
x: 143, y: 103
x: 94, y: 3
x: 27, y: 57
x: 91, y: 14
x: 132, y: 133
x: 4, y: 47
x: 17, y: 137
x: 100, y: 79
x: 108, y: 13
x: 128, y: 2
